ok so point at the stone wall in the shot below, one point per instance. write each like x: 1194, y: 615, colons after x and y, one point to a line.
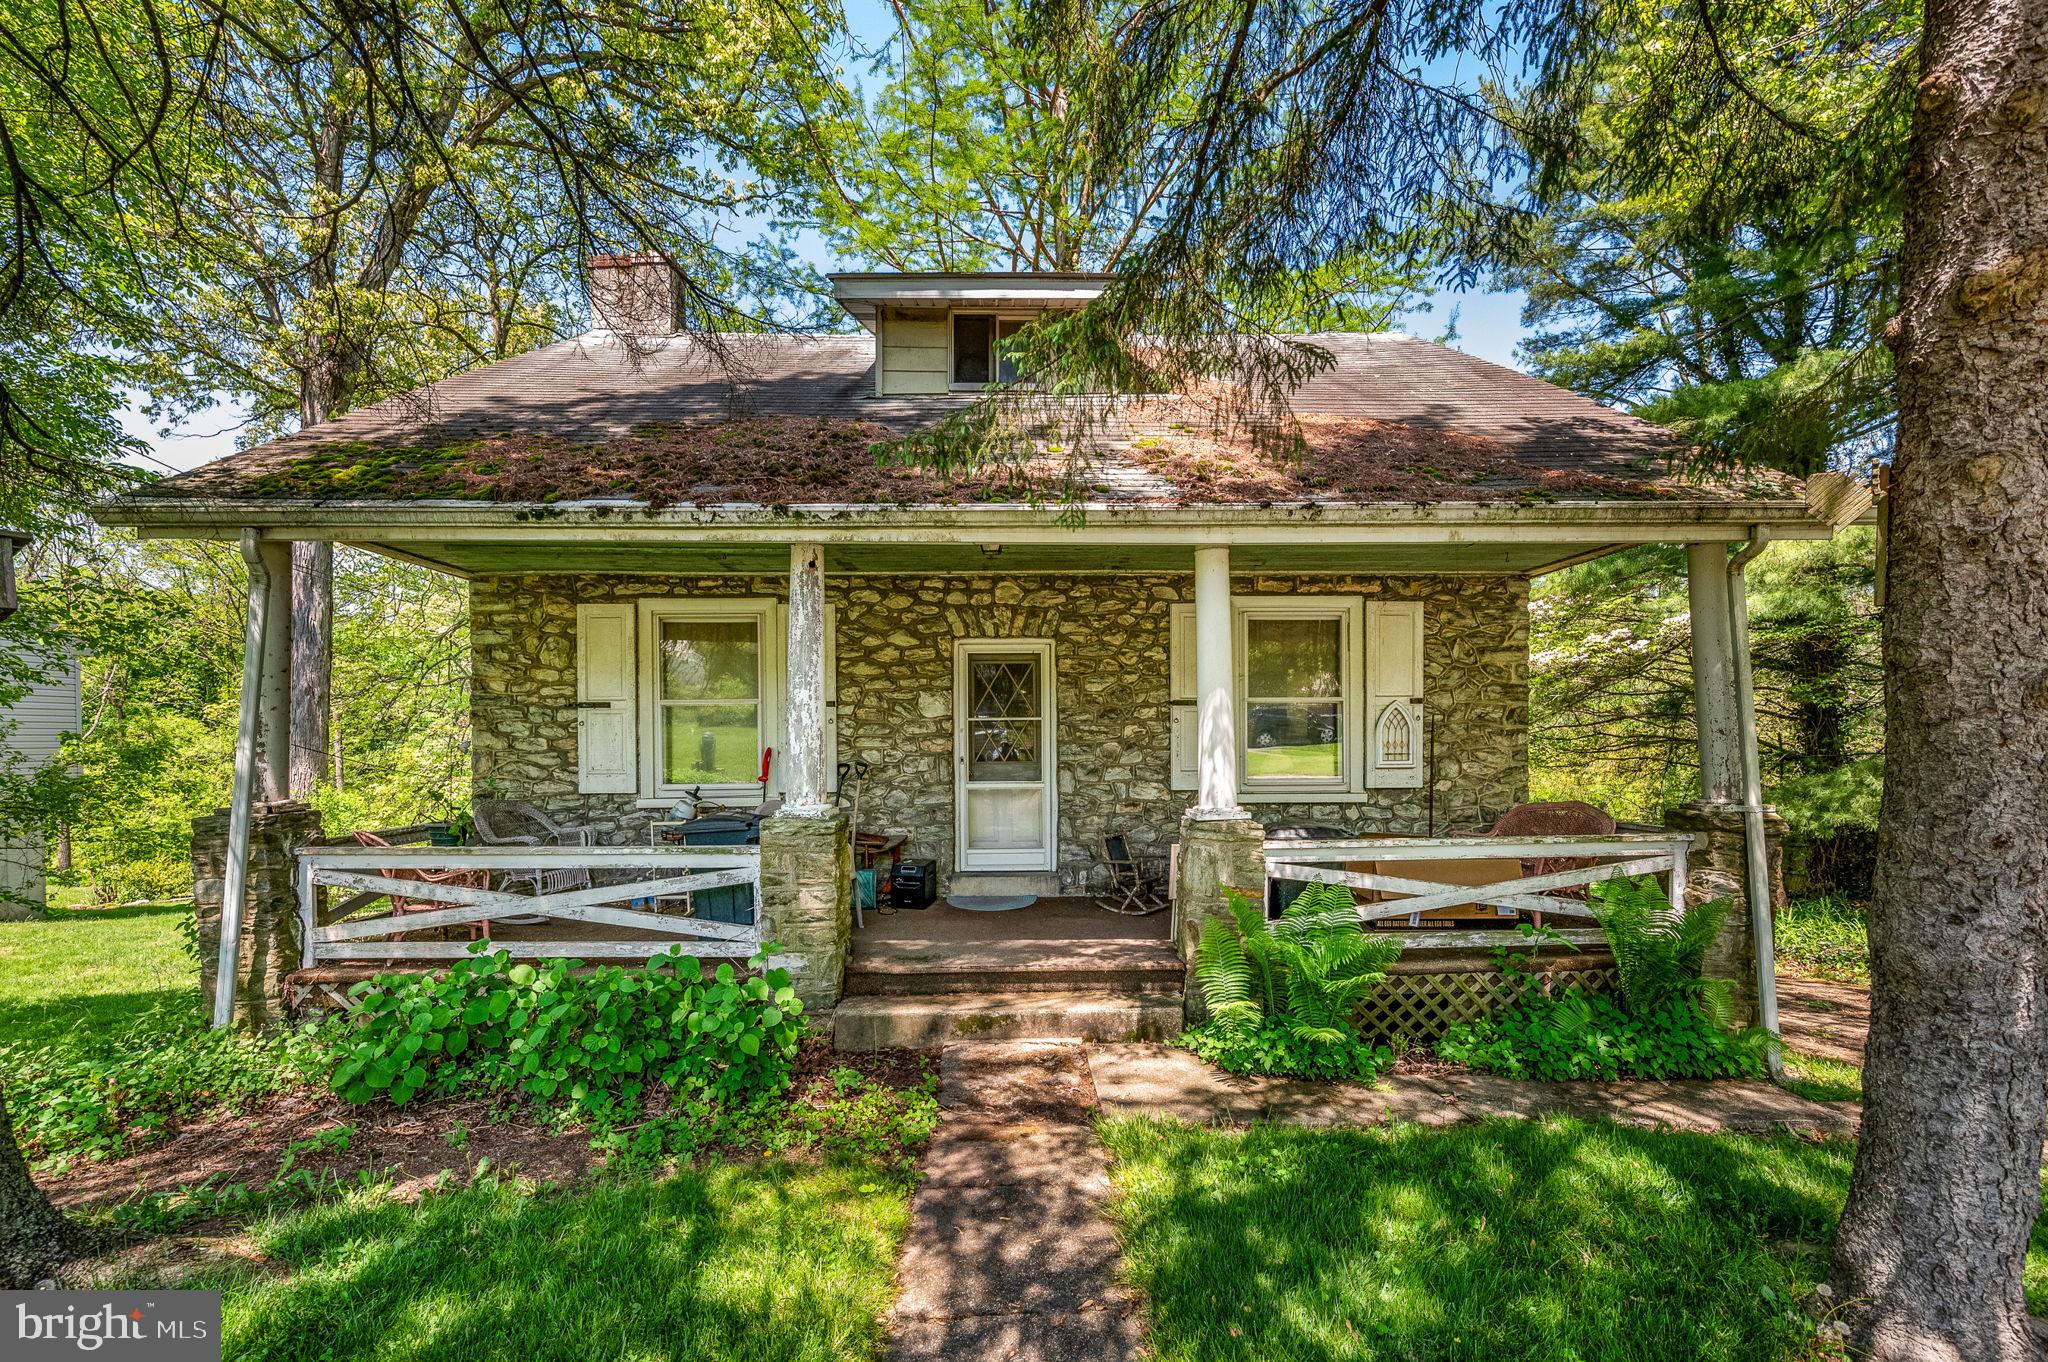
x: 1110, y: 635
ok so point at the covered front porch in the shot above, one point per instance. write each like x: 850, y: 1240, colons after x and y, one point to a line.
x: 1131, y: 710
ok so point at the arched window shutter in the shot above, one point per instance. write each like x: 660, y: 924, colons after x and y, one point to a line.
x: 1394, y: 753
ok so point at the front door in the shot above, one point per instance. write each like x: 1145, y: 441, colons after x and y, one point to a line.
x: 1003, y: 755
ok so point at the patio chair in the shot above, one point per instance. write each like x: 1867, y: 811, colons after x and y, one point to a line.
x: 1554, y: 818
x: 494, y: 829
x: 1121, y: 882
x: 473, y: 879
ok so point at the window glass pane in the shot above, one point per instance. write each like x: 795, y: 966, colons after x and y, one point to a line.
x: 1293, y: 657
x: 1002, y: 687
x: 1004, y: 749
x: 1293, y: 741
x: 710, y: 744
x: 1006, y: 367
x: 710, y: 660
x: 973, y: 338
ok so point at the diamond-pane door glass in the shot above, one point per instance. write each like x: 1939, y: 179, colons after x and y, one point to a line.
x: 1005, y: 729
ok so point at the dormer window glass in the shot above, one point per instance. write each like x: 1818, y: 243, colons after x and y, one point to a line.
x: 980, y: 343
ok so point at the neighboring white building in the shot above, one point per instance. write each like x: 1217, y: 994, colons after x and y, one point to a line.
x: 31, y: 732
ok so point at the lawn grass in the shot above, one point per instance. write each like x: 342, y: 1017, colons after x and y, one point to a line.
x: 1823, y: 938
x: 87, y: 970
x: 1540, y: 1240
x: 755, y: 1261
x: 1821, y: 1079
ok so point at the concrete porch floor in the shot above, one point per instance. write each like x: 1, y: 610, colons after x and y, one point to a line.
x: 1049, y: 919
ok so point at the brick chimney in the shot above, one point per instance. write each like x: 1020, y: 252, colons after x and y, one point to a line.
x: 638, y: 295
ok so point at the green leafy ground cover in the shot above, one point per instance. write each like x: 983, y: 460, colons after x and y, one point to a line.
x: 1824, y: 938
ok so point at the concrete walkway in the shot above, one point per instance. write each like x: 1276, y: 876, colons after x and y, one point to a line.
x: 1159, y: 1080
x: 1008, y: 1257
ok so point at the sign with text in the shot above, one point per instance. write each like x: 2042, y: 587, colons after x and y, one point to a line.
x: 110, y: 1326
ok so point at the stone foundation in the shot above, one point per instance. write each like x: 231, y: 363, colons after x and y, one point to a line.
x: 270, y: 914
x: 1719, y: 869
x: 1215, y: 854
x: 894, y: 638
x: 807, y: 898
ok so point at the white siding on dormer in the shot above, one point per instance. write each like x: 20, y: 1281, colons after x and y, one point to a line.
x: 910, y: 353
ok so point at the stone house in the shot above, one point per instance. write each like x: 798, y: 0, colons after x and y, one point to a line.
x: 692, y: 578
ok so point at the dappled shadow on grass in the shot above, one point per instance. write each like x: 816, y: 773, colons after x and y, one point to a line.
x: 748, y: 1262
x: 1551, y: 1239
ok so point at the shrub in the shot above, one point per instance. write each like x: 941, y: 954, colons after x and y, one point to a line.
x: 99, y: 1095
x: 1285, y: 997
x: 1667, y: 1022
x: 588, y: 1042
x: 1824, y: 937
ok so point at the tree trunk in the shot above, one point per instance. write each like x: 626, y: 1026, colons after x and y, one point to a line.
x: 312, y: 664
x: 1947, y: 1180
x: 34, y: 1238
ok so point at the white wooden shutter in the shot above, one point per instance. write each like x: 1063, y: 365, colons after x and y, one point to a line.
x: 1394, y: 751
x: 1180, y: 694
x: 606, y: 700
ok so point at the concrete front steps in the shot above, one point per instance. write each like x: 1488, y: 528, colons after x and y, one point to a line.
x: 923, y: 1022
x: 919, y: 994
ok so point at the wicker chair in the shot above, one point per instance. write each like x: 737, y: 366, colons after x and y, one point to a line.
x: 494, y: 829
x: 1557, y: 818
x: 473, y: 879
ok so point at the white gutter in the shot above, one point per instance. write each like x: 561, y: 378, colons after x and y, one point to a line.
x: 1115, y: 523
x: 1756, y: 850
x: 235, y: 882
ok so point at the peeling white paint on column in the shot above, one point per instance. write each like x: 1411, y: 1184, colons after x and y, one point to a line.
x: 803, y: 772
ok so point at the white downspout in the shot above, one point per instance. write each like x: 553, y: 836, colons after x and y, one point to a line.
x: 235, y: 880
x: 1756, y: 850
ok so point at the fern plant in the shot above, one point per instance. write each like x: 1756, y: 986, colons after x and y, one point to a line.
x: 1305, y: 976
x: 1659, y: 952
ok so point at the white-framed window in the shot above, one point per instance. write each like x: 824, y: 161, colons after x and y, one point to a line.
x: 711, y: 695
x: 978, y: 348
x: 1316, y: 677
x: 677, y: 693
x: 1298, y: 689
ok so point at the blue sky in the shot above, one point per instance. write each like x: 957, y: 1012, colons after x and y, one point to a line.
x: 1489, y: 324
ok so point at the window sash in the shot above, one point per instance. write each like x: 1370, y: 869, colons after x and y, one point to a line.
x: 1341, y: 706
x: 765, y: 702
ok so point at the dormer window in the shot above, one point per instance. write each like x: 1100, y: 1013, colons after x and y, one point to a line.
x: 981, y: 342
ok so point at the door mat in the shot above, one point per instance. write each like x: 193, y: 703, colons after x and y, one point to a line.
x: 991, y: 903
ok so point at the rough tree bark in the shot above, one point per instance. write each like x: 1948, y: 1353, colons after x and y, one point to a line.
x: 1947, y: 1180
x: 34, y: 1238
x: 312, y: 666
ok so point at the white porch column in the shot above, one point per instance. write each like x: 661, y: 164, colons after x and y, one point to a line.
x: 259, y: 558
x: 273, y: 715
x: 803, y: 774
x: 1713, y: 674
x: 1215, y: 689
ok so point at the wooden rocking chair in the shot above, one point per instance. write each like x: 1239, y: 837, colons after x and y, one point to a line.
x: 1131, y: 886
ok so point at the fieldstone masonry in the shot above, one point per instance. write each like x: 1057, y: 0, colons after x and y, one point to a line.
x: 806, y: 895
x: 1215, y: 854
x: 894, y: 648
x: 1718, y: 869
x: 270, y: 922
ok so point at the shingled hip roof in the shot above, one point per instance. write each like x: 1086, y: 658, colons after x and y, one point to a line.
x: 785, y: 420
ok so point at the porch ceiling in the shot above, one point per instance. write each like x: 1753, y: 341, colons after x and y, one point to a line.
x: 484, y: 558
